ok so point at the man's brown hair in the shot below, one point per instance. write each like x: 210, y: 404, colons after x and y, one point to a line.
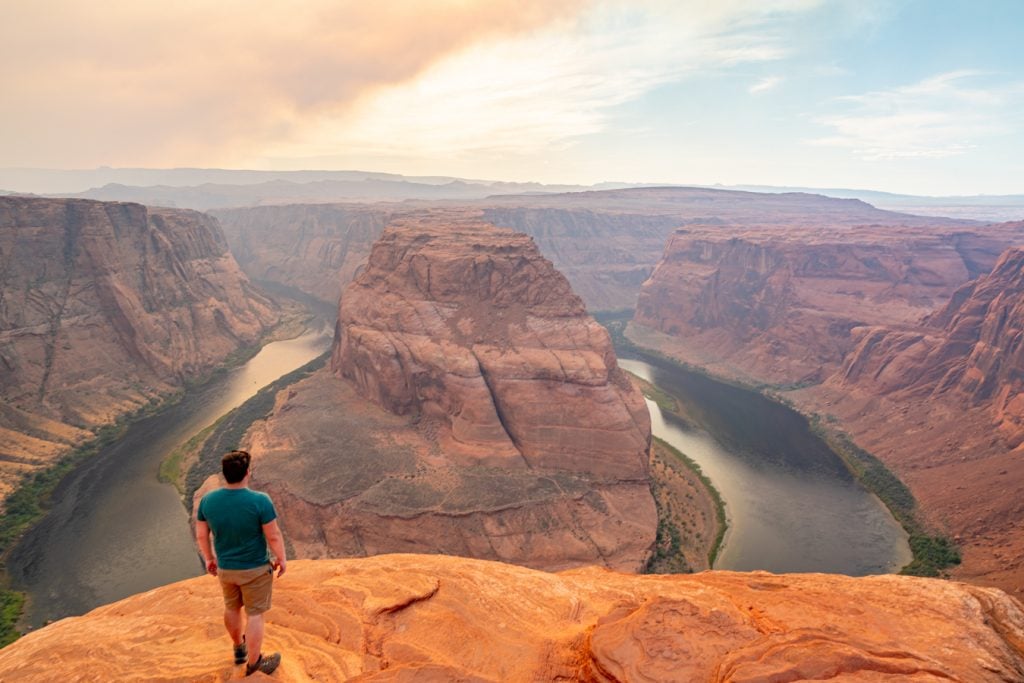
x: 235, y: 466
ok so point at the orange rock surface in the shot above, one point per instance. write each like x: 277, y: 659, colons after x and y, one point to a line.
x: 435, y: 618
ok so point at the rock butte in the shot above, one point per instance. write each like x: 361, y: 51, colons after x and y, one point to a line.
x: 937, y: 400
x: 105, y: 307
x: 435, y: 618
x: 471, y: 407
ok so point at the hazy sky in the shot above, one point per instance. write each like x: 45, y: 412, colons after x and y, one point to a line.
x: 922, y: 96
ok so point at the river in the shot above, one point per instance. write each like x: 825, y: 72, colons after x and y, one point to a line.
x: 115, y: 530
x: 792, y: 504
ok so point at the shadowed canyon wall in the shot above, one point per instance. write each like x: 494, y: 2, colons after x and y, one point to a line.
x: 106, y: 306
x: 472, y: 407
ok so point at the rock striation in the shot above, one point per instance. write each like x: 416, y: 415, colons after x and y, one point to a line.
x: 471, y: 325
x: 941, y: 401
x: 471, y: 407
x: 606, y: 243
x: 316, y: 249
x: 422, y: 618
x: 909, y: 341
x: 105, y: 307
x: 781, y: 308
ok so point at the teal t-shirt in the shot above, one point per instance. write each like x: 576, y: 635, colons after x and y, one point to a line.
x: 236, y: 517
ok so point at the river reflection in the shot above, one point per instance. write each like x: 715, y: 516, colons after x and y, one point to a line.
x: 115, y: 530
x: 792, y: 505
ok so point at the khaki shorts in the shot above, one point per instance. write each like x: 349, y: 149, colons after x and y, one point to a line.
x: 249, y: 587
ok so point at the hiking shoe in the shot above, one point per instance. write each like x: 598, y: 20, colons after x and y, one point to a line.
x: 266, y: 665
x: 241, y: 652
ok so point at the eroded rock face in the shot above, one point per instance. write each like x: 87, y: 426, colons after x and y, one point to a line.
x: 781, y: 308
x: 947, y: 413
x: 314, y: 248
x: 422, y: 618
x: 472, y: 407
x: 106, y: 306
x: 458, y: 320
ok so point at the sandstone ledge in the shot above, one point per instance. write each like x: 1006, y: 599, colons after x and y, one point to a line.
x: 438, y: 618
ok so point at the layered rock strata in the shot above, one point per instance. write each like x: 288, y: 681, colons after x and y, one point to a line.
x: 106, y: 306
x: 606, y: 243
x: 878, y: 331
x: 419, y: 618
x: 780, y: 308
x: 942, y: 403
x: 314, y: 248
x: 471, y: 407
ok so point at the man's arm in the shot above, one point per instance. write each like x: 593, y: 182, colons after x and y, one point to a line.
x: 203, y: 539
x: 276, y: 542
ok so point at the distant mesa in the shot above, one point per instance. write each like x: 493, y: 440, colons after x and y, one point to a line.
x: 471, y: 407
x: 106, y: 307
x: 430, y: 618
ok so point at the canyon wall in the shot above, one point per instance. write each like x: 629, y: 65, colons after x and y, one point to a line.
x: 780, y: 309
x: 605, y: 242
x: 941, y: 402
x: 884, y: 331
x: 403, y: 618
x: 471, y: 407
x: 105, y: 307
x: 314, y: 248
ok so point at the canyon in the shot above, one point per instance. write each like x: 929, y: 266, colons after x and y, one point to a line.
x: 471, y: 407
x: 899, y: 336
x: 605, y: 242
x: 432, y: 618
x: 106, y: 308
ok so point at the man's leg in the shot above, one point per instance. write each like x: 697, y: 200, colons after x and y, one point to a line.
x: 234, y: 622
x: 254, y: 637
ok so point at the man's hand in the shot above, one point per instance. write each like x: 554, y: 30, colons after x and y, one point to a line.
x: 211, y: 567
x: 280, y: 564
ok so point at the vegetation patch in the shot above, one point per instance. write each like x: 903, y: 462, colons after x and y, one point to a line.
x: 225, y: 434
x: 675, y: 531
x: 932, y: 553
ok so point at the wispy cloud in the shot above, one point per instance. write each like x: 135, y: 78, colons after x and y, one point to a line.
x: 941, y: 116
x: 541, y: 91
x: 765, y: 84
x: 191, y: 82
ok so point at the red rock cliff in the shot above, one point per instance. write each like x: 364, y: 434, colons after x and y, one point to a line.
x: 105, y: 306
x: 942, y: 403
x: 780, y: 308
x: 405, y: 618
x: 472, y: 407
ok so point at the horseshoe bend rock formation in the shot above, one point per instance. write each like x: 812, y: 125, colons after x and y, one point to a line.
x: 105, y: 306
x: 432, y: 618
x: 472, y: 407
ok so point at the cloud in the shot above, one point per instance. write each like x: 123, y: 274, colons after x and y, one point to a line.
x: 541, y: 91
x: 765, y: 84
x: 941, y: 116
x: 200, y: 82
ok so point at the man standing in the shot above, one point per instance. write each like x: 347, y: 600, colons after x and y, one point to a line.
x: 243, y: 523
